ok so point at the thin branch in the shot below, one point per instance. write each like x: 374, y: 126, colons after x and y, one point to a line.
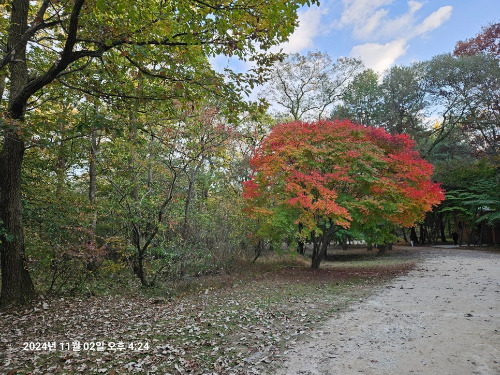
x: 100, y: 94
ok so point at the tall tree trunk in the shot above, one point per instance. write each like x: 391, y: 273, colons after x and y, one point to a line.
x: 404, y: 234
x: 321, y: 245
x: 442, y: 226
x: 300, y: 244
x: 3, y: 78
x: 93, y: 181
x: 382, y: 249
x: 320, y: 253
x: 189, y: 197
x: 138, y: 260
x: 316, y: 259
x: 17, y: 286
x: 345, y: 245
x: 258, y: 250
x: 413, y: 235
x: 137, y: 233
x: 422, y: 234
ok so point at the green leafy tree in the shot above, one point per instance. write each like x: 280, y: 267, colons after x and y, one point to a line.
x: 465, y: 91
x: 362, y: 101
x: 472, y: 195
x: 404, y: 101
x: 48, y: 41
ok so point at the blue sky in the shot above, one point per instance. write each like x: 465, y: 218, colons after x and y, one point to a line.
x: 387, y: 32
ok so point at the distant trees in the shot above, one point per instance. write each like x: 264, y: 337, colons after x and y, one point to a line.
x: 487, y: 41
x: 327, y: 176
x: 404, y: 98
x: 306, y: 87
x: 362, y: 101
x: 472, y: 198
x: 465, y: 92
x: 395, y: 101
x: 450, y: 106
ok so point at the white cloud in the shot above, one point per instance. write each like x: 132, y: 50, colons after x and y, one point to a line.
x: 435, y: 20
x: 414, y: 5
x: 363, y: 16
x: 371, y: 21
x: 371, y: 24
x: 304, y: 34
x: 380, y: 57
x: 387, y: 37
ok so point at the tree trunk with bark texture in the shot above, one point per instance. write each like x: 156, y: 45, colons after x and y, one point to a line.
x: 17, y: 286
x: 93, y: 181
x: 321, y: 245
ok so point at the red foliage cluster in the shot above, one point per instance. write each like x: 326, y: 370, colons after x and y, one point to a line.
x: 342, y: 172
x: 487, y: 41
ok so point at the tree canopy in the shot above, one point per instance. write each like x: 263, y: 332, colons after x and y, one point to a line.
x: 487, y: 41
x: 305, y: 87
x: 327, y: 176
x: 102, y: 48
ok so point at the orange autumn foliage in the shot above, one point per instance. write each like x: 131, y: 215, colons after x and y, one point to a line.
x: 338, y: 172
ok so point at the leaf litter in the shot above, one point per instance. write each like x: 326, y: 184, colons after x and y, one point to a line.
x: 242, y: 328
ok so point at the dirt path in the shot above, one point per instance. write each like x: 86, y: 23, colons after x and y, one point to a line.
x: 442, y: 318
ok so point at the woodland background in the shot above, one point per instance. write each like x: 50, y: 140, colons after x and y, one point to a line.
x: 134, y: 157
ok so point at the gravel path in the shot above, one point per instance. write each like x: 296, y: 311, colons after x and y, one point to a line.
x: 442, y: 318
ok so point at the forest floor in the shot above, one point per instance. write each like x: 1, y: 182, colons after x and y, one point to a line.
x: 358, y: 313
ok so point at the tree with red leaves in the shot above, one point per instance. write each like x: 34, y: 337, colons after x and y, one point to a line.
x: 327, y: 176
x: 487, y: 41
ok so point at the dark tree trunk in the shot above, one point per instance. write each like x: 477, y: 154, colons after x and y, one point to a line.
x: 187, y: 204
x: 137, y: 233
x: 301, y: 247
x: 404, y: 235
x: 480, y: 235
x: 17, y: 286
x: 3, y: 78
x: 413, y: 235
x: 189, y: 198
x: 138, y: 261
x: 321, y: 245
x: 422, y: 234
x: 258, y: 251
x: 140, y: 270
x: 442, y: 228
x: 93, y: 181
x: 382, y: 249
x: 319, y: 253
x: 300, y: 244
x: 315, y: 251
x: 16, y: 281
x: 344, y: 242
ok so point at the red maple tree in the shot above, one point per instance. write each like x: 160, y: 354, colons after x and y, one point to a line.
x: 325, y: 176
x: 487, y: 41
